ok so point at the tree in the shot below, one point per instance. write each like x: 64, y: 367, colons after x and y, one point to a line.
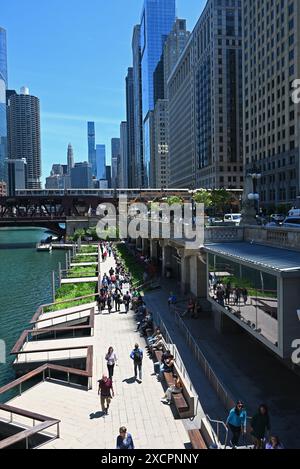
x: 203, y: 197
x: 78, y: 233
x: 174, y: 199
x: 220, y: 199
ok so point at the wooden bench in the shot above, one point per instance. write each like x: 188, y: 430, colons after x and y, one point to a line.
x: 178, y: 399
x: 197, y: 440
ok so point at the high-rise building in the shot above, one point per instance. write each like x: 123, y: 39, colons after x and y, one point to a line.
x: 101, y: 162
x: 138, y: 108
x: 3, y: 118
x: 206, y: 103
x: 161, y: 139
x: 24, y: 134
x: 271, y: 119
x: 108, y: 176
x: 174, y: 45
x: 158, y: 17
x: 3, y: 189
x: 92, y: 147
x: 115, y: 156
x: 81, y: 176
x: 130, y: 128
x: 123, y: 162
x: 17, y: 175
x: 70, y: 158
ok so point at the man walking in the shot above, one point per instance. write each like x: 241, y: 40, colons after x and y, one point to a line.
x: 137, y: 357
x: 106, y: 393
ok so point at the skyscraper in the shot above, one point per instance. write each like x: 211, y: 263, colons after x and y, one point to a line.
x: 130, y: 128
x: 271, y: 118
x: 158, y: 17
x: 3, y: 119
x: 24, y: 134
x: 101, y: 162
x: 81, y: 176
x: 123, y: 162
x: 70, y: 158
x: 138, y: 110
x: 115, y: 156
x: 92, y: 147
x: 206, y: 103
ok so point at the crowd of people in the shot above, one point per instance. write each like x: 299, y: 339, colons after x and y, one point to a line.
x: 229, y: 295
x: 260, y: 427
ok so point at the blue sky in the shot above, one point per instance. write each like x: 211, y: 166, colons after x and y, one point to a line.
x: 74, y: 56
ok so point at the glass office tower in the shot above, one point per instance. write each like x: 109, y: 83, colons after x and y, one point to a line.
x: 92, y: 147
x: 158, y: 18
x: 3, y: 87
x: 101, y: 162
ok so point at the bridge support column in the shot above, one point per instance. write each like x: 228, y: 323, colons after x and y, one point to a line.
x: 185, y: 275
x: 139, y: 243
x: 154, y: 249
x: 145, y: 247
x: 166, y: 259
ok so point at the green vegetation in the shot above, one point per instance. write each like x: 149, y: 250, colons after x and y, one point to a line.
x: 130, y: 264
x: 79, y: 259
x: 82, y: 271
x: 244, y: 283
x: 174, y: 199
x: 70, y: 291
x: 88, y: 249
x: 203, y: 197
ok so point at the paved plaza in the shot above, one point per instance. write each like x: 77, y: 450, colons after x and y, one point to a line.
x: 137, y: 406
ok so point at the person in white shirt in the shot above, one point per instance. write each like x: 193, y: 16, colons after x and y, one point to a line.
x: 111, y: 359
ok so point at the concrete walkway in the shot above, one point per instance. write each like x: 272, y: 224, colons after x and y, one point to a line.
x: 247, y: 369
x: 137, y: 406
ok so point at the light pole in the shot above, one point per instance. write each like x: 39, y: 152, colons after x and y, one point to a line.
x: 254, y: 196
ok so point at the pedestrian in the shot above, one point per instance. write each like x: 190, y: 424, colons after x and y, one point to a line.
x: 106, y: 393
x: 124, y: 440
x: 126, y: 300
x: 137, y: 357
x: 109, y: 302
x: 245, y: 295
x: 174, y: 389
x: 274, y: 443
x: 237, y: 422
x: 260, y: 425
x: 105, y: 255
x: 111, y: 359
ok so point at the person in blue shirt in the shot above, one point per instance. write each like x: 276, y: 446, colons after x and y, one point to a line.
x: 124, y: 440
x: 237, y: 422
x: 137, y: 357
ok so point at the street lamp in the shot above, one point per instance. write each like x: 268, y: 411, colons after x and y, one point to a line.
x: 254, y: 196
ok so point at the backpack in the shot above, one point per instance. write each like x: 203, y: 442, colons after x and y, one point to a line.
x: 137, y: 355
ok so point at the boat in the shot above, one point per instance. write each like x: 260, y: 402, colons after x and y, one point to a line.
x: 42, y: 247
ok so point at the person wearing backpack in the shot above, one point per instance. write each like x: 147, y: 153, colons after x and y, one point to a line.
x: 137, y: 357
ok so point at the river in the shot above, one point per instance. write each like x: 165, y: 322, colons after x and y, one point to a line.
x: 25, y: 283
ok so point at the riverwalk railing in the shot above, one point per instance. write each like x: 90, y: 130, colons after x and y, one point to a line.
x: 178, y: 360
x: 41, y: 309
x: 28, y: 434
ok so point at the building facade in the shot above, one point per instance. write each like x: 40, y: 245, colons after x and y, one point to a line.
x: 158, y: 17
x: 70, y: 158
x: 138, y: 107
x: 3, y: 117
x: 161, y: 144
x: 205, y: 102
x: 3, y: 189
x: 130, y: 129
x: 271, y: 119
x: 24, y: 134
x: 101, y: 162
x: 115, y: 157
x: 123, y: 161
x: 81, y: 176
x: 92, y: 147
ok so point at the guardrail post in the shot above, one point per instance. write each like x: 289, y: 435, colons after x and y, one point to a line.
x: 57, y: 431
x: 67, y: 263
x: 20, y: 389
x: 53, y: 286
x: 60, y: 273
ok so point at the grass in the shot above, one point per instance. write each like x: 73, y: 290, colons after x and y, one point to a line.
x: 88, y: 249
x: 79, y: 259
x: 130, y: 263
x: 70, y: 291
x: 82, y: 271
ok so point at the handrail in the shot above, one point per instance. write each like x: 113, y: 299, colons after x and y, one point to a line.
x: 40, y: 310
x: 64, y: 315
x: 219, y: 422
x: 26, y: 434
x: 25, y: 413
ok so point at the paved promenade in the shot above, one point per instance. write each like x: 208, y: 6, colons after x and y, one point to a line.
x: 137, y: 406
x: 247, y: 369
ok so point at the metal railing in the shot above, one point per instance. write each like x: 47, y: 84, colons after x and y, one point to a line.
x: 219, y: 424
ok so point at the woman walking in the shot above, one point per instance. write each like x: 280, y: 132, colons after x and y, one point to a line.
x: 260, y: 424
x: 111, y: 359
x: 237, y: 422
